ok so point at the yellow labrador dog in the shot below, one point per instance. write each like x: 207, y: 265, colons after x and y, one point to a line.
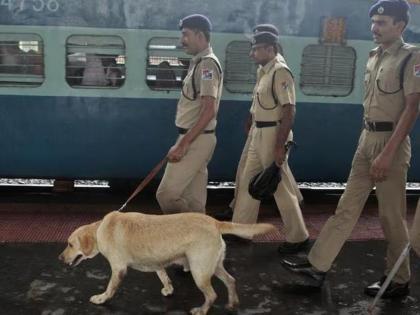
x: 153, y: 242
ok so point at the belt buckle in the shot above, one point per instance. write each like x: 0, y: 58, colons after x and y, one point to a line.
x: 370, y: 125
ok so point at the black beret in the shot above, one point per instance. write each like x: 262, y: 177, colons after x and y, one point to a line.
x: 266, y: 28
x: 264, y: 38
x: 196, y: 21
x: 395, y: 8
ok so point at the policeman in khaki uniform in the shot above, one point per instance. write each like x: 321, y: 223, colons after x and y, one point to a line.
x: 227, y: 214
x: 184, y: 185
x: 272, y: 110
x: 391, y: 101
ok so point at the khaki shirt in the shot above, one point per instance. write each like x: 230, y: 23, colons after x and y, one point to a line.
x: 263, y: 106
x: 384, y: 100
x: 208, y: 82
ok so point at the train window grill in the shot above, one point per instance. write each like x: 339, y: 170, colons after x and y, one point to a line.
x: 95, y: 61
x: 240, y: 70
x: 21, y: 60
x: 167, y: 64
x: 327, y: 70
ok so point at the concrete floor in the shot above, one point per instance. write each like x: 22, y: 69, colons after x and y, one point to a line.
x: 33, y: 281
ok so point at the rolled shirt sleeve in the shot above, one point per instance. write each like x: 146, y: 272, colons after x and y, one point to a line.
x: 412, y: 75
x: 209, y: 77
x: 284, y: 87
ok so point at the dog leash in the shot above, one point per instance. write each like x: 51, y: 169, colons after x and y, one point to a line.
x: 395, y: 268
x: 144, y: 182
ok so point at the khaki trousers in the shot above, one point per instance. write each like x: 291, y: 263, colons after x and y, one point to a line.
x: 260, y: 155
x: 184, y: 185
x: 415, y: 231
x: 240, y: 169
x: 391, y: 203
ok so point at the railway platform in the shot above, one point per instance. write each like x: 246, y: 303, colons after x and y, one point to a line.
x: 35, y: 224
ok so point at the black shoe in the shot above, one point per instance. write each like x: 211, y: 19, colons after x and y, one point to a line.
x: 392, y: 291
x: 307, y: 270
x: 287, y: 248
x: 224, y: 215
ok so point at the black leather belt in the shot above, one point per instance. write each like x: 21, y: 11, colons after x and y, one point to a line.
x: 265, y: 124
x: 183, y: 131
x: 379, y: 125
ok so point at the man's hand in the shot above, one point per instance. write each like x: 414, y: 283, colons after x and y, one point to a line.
x: 382, y: 164
x: 380, y: 167
x: 280, y: 155
x: 177, y: 152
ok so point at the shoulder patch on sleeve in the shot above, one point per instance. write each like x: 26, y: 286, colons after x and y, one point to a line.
x: 417, y: 70
x: 206, y: 74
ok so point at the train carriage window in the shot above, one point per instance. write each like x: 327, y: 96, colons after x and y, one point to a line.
x: 167, y: 64
x: 95, y: 61
x: 21, y: 60
x: 240, y: 70
x: 327, y: 70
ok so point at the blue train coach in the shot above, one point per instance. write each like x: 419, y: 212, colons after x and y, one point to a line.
x: 88, y: 89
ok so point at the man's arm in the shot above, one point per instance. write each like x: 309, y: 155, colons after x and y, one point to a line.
x: 208, y: 112
x: 209, y: 90
x: 285, y: 91
x: 382, y: 164
x: 286, y: 125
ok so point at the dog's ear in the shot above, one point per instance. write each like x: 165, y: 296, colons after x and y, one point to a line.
x: 87, y: 243
x: 87, y: 239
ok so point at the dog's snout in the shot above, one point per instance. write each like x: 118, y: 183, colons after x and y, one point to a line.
x: 61, y: 257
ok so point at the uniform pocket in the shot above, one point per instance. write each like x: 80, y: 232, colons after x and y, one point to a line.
x: 265, y: 98
x: 187, y: 90
x: 388, y: 81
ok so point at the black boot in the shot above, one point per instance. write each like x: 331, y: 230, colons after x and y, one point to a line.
x: 305, y: 269
x: 392, y: 291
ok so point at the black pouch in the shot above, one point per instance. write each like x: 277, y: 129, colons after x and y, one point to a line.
x: 264, y: 184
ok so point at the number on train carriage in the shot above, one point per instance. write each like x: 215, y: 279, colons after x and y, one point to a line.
x: 21, y: 60
x: 167, y: 64
x: 240, y: 70
x: 95, y: 61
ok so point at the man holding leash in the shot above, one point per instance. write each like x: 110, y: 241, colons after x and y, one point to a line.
x: 184, y: 185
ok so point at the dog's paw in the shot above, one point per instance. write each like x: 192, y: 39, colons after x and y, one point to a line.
x: 98, y: 299
x: 168, y: 290
x: 197, y: 311
x: 232, y: 306
x: 233, y: 303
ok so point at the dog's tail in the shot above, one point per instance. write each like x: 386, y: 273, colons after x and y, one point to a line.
x: 245, y: 230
